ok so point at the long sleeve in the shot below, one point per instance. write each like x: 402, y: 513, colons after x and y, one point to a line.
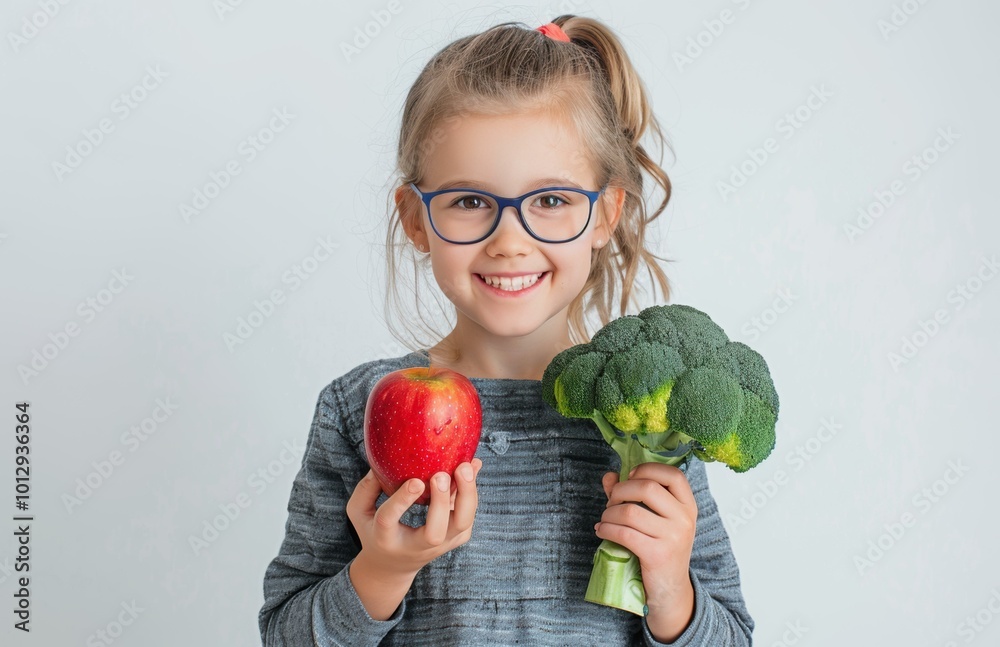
x: 721, y: 618
x: 308, y: 595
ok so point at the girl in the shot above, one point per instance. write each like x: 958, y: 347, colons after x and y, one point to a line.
x: 546, y: 121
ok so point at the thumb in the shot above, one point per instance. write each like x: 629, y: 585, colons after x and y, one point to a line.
x: 608, y: 481
x: 366, y: 493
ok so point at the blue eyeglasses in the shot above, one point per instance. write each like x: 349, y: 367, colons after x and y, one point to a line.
x: 467, y: 216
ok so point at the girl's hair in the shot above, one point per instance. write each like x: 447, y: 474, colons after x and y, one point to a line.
x: 510, y: 68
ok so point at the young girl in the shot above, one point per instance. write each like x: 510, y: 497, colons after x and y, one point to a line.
x: 522, y: 186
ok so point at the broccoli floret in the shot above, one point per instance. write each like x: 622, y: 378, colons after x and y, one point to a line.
x: 670, y: 381
x: 663, y: 386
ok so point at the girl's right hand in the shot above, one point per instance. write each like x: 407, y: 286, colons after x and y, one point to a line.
x: 396, y: 550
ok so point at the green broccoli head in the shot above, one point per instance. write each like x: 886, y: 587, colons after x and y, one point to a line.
x: 670, y: 375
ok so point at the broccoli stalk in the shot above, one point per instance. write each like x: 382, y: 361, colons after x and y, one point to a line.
x: 633, y: 452
x: 616, y: 579
x: 663, y: 387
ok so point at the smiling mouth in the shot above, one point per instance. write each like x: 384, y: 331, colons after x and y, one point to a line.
x: 508, y: 284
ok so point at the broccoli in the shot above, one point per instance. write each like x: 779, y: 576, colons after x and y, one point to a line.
x: 662, y: 386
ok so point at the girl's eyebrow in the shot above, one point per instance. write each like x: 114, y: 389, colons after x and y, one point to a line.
x: 537, y: 184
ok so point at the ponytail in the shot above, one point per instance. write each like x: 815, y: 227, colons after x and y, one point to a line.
x: 635, y: 116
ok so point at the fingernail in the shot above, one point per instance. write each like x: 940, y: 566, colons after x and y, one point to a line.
x: 632, y: 472
x: 413, y: 486
x: 465, y: 471
x: 442, y: 482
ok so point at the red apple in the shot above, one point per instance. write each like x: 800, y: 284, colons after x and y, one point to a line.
x: 420, y: 421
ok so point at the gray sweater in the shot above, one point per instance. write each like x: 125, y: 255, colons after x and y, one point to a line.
x: 521, y: 578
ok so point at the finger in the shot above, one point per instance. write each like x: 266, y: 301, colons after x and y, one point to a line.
x: 636, y: 517
x: 651, y: 493
x: 476, y: 466
x: 467, y: 499
x: 390, y: 512
x: 669, y: 477
x: 362, y: 501
x: 436, y: 525
x: 608, y: 481
x: 636, y: 541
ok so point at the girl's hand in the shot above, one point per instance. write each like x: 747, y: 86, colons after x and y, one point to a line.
x: 396, y: 550
x: 661, y: 535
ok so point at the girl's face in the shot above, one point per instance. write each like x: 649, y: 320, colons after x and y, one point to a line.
x: 510, y: 155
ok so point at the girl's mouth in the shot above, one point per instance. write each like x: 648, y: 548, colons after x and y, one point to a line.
x: 512, y: 287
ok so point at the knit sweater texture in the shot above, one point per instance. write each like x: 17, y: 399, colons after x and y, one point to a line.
x: 521, y: 578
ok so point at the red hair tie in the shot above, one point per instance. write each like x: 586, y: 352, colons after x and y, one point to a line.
x: 554, y: 32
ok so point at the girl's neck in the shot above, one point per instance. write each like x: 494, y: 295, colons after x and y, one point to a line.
x: 526, y: 362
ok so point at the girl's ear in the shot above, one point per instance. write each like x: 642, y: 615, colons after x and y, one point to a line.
x: 612, y: 202
x: 411, y: 216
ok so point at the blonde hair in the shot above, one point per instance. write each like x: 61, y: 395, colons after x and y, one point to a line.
x: 509, y: 68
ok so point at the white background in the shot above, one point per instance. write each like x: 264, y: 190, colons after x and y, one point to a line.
x: 798, y: 528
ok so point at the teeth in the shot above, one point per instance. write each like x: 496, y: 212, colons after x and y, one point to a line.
x: 511, y: 284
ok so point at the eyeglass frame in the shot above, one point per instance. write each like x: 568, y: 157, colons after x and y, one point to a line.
x: 503, y: 203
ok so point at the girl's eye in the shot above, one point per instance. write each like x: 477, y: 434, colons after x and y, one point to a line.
x: 551, y: 201
x: 469, y: 201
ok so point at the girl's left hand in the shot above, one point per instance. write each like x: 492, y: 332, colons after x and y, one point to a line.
x: 661, y: 535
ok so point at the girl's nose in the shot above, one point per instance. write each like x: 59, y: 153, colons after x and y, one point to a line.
x: 510, y: 236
